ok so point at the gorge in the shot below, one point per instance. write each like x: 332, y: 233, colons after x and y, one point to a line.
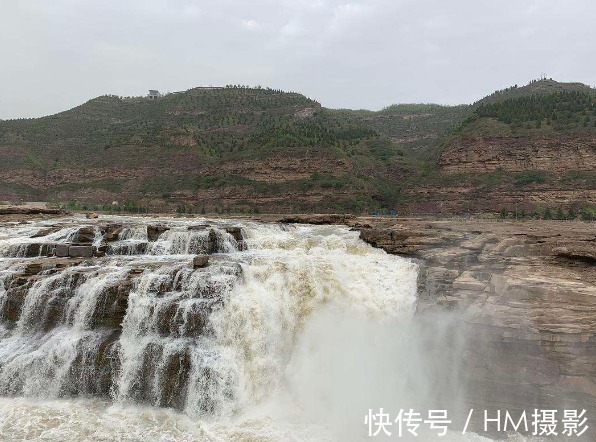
x: 290, y: 332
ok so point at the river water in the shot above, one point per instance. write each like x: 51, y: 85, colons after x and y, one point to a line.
x: 290, y: 334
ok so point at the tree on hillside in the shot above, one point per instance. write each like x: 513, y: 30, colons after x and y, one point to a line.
x: 548, y: 214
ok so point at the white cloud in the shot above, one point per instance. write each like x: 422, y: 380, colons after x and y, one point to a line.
x: 291, y: 28
x: 345, y: 15
x: 251, y: 24
x: 344, y: 53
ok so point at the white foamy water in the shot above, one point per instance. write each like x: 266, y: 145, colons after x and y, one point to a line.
x: 292, y: 339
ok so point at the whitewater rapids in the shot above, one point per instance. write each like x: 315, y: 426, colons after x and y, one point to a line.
x: 304, y: 329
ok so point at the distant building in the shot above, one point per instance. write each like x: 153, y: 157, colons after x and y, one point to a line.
x: 153, y: 95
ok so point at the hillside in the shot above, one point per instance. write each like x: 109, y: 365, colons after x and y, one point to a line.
x: 535, y: 87
x: 206, y: 149
x: 417, y: 128
x: 239, y: 149
x: 528, y: 148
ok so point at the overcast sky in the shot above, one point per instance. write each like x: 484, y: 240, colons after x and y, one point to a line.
x: 56, y: 54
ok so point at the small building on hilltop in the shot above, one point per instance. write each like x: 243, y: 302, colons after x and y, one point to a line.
x: 153, y: 94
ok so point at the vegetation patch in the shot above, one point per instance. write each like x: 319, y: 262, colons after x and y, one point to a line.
x: 530, y: 177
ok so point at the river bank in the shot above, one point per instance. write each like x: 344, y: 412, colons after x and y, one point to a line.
x: 527, y: 295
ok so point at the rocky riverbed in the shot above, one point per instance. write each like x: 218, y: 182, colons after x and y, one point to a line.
x: 523, y: 293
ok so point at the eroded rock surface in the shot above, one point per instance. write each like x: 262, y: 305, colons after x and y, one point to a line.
x: 527, y: 295
x: 30, y: 210
x: 91, y: 301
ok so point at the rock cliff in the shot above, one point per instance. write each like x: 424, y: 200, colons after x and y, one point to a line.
x: 556, y: 155
x: 526, y: 293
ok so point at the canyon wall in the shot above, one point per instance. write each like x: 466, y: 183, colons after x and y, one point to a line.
x: 527, y: 296
x: 554, y: 155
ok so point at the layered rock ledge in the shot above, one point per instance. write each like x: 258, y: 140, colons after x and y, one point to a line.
x: 30, y: 210
x: 526, y: 293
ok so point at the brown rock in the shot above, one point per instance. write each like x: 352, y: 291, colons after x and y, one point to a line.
x: 112, y: 231
x: 513, y: 154
x: 45, y: 232
x: 81, y: 251
x: 38, y: 249
x: 103, y: 247
x: 236, y: 232
x: 527, y: 316
x: 111, y: 311
x: 466, y: 281
x: 154, y: 231
x: 30, y: 210
x: 61, y: 250
x: 176, y: 371
x: 325, y: 218
x: 91, y: 215
x: 198, y: 227
x: 200, y: 261
x: 85, y: 235
x: 33, y: 268
x: 582, y: 252
x: 212, y: 241
x: 16, y: 292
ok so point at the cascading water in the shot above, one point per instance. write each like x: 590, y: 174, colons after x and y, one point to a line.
x: 290, y: 333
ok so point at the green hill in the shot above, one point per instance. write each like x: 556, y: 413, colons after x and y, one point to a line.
x: 535, y: 87
x: 232, y: 148
x: 416, y: 128
x: 240, y: 149
x: 543, y: 107
x: 532, y: 147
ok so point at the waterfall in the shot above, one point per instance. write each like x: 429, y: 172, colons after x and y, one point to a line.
x: 232, y: 351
